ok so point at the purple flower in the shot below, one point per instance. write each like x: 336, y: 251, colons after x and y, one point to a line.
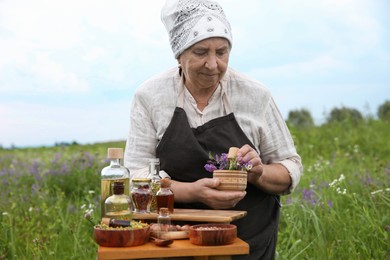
x: 221, y: 162
x: 210, y: 167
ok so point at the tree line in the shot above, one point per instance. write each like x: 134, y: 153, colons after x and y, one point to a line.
x: 303, y: 118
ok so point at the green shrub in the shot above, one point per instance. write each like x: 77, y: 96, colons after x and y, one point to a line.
x: 384, y: 111
x: 344, y: 114
x: 300, y: 118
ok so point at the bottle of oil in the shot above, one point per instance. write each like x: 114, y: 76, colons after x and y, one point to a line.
x: 111, y: 173
x: 165, y: 196
x: 154, y: 171
x: 118, y: 205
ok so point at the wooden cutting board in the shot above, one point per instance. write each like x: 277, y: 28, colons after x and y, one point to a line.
x: 197, y: 215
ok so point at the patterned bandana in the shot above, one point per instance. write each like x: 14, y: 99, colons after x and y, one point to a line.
x: 191, y: 21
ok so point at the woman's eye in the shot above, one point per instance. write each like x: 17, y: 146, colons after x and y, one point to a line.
x: 200, y: 53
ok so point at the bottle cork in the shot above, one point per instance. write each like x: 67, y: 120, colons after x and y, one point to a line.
x: 165, y: 183
x: 115, y: 153
x: 233, y: 152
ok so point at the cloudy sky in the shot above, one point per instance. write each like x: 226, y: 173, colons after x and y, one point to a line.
x: 68, y: 69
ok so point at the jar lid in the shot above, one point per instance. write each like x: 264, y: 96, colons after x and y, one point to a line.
x: 141, y: 180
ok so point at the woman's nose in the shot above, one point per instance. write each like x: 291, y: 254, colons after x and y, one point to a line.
x: 211, y: 62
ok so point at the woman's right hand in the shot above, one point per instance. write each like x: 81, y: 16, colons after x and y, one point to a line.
x: 204, y: 190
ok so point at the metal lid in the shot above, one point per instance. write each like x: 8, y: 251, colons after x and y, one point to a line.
x: 141, y: 180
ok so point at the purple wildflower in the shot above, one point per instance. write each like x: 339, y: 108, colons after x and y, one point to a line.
x: 309, y: 196
x: 210, y: 167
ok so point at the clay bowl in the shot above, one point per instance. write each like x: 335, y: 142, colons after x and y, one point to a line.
x: 212, y: 234
x: 121, y: 237
x: 231, y: 180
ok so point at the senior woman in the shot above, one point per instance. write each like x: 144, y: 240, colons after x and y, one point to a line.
x: 203, y: 105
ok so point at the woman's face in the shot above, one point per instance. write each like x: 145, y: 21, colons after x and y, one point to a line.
x: 205, y: 63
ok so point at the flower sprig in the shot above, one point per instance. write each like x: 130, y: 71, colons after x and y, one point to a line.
x: 226, y: 161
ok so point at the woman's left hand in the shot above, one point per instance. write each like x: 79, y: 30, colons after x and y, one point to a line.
x: 272, y: 178
x: 249, y: 155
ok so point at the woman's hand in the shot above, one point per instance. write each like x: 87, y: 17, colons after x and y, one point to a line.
x: 248, y: 154
x: 204, y: 190
x: 271, y: 178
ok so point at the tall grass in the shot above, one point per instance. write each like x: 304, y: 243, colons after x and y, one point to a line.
x: 338, y: 211
x: 341, y: 208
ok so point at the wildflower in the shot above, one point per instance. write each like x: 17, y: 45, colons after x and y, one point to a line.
x: 91, y: 192
x: 222, y: 162
x: 88, y: 216
x: 5, y: 213
x: 377, y: 191
x: 309, y: 196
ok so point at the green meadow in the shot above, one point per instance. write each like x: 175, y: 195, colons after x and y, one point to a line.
x: 340, y: 210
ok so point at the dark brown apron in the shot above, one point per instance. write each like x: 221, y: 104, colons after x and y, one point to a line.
x: 183, y: 152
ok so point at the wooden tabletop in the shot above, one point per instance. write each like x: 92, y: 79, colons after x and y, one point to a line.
x: 179, y: 248
x: 197, y: 215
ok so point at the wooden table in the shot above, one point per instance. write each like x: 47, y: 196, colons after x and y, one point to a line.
x: 179, y: 248
x: 182, y: 248
x: 197, y: 215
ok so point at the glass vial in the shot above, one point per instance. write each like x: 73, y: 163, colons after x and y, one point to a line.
x: 111, y: 173
x: 118, y: 205
x: 165, y: 197
x: 164, y: 222
x: 154, y: 173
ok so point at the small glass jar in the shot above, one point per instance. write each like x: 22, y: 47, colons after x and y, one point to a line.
x: 141, y: 195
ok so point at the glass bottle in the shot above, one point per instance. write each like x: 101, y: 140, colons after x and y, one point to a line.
x: 116, y: 222
x: 141, y: 195
x: 165, y: 197
x: 111, y: 173
x: 164, y: 222
x: 154, y: 171
x: 118, y: 205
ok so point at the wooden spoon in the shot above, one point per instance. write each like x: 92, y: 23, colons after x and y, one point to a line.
x: 161, y: 242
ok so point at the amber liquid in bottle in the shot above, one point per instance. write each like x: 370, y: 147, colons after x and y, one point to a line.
x: 165, y: 201
x: 165, y: 197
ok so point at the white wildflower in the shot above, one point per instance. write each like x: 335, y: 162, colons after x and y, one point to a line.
x: 5, y: 213
x: 83, y: 206
x: 377, y: 191
x: 91, y: 192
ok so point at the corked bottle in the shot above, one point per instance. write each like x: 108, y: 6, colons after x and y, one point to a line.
x: 112, y: 173
x: 116, y: 222
x: 165, y: 196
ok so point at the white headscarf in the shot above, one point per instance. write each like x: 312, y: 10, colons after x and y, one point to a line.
x: 191, y: 21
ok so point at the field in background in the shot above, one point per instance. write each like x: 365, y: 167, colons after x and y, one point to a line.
x: 339, y: 210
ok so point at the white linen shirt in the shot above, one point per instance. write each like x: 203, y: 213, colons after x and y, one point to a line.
x: 155, y: 100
